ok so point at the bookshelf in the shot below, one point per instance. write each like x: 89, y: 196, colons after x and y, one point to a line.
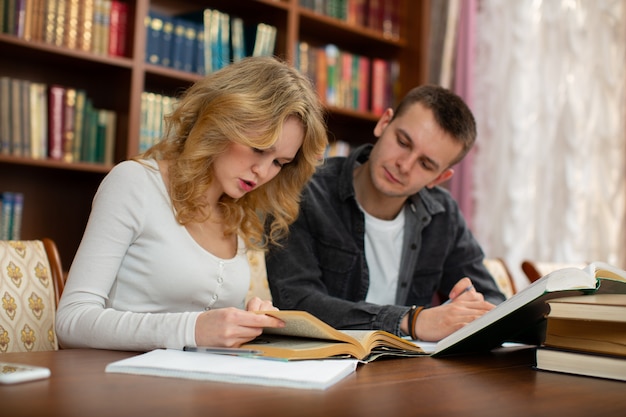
x: 58, y: 194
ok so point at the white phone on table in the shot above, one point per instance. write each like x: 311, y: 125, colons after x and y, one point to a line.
x: 13, y: 373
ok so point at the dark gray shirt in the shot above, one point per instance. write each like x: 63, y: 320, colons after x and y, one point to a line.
x: 321, y: 267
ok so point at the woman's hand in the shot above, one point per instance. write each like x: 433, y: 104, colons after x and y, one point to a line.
x: 231, y: 327
x: 256, y: 304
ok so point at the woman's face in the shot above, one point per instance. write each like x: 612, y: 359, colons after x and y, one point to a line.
x: 241, y: 168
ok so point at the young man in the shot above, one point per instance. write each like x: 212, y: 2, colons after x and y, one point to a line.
x: 376, y: 238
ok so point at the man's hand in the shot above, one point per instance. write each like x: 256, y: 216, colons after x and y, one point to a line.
x: 433, y: 324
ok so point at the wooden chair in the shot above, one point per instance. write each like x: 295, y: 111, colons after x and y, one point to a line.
x: 31, y: 284
x: 498, y: 269
x: 535, y: 270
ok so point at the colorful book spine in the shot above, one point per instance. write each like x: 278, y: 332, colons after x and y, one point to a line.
x: 6, y: 215
x: 55, y: 122
x: 118, y: 22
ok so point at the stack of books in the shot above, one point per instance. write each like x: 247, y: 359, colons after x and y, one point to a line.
x: 586, y: 335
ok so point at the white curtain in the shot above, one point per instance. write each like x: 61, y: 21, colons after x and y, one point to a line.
x: 549, y: 179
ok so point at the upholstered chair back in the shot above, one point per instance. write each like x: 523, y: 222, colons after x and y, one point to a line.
x: 29, y: 291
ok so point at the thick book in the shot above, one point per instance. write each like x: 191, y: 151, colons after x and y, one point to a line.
x: 318, y: 374
x: 522, y: 318
x: 600, y: 366
x: 592, y: 323
x: 307, y: 337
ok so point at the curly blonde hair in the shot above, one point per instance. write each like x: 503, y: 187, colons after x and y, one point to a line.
x: 246, y: 102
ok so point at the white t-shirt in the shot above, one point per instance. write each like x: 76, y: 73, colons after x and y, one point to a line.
x: 383, y: 250
x: 139, y: 280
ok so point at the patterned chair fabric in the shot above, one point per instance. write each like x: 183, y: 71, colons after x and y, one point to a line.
x: 27, y: 298
x: 498, y: 269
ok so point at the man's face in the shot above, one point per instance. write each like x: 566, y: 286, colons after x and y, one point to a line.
x: 412, y: 152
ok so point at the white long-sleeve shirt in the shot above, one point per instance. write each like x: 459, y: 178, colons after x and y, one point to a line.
x: 139, y: 280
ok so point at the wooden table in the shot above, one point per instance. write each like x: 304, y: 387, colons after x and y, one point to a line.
x: 500, y: 383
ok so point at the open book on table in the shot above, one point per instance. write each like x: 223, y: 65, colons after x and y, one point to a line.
x: 522, y: 318
x: 307, y: 337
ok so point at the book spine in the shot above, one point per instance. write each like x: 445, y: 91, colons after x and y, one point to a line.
x: 7, y: 215
x: 154, y: 26
x: 26, y: 116
x: 39, y: 19
x: 20, y: 18
x: 109, y: 140
x: 379, y: 83
x: 16, y: 214
x: 5, y: 115
x: 86, y: 26
x: 79, y: 122
x: 55, y: 122
x: 51, y: 19
x: 69, y: 112
x: 364, y: 83
x: 39, y: 131
x: 16, y: 117
x: 167, y: 39
x: 178, y: 44
x: 59, y: 29
x: 189, y: 47
x: 199, y: 55
x: 332, y: 57
x: 114, y: 28
x: 71, y: 32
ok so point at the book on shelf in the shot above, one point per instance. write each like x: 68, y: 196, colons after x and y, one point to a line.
x: 38, y: 121
x: 178, y: 39
x: 580, y: 363
x: 118, y: 22
x: 591, y: 323
x: 71, y: 22
x: 154, y: 28
x: 85, y: 26
x: 69, y: 115
x: 11, y: 209
x: 317, y: 374
x: 307, y: 337
x: 55, y: 121
x: 5, y: 115
x: 522, y: 318
x: 17, y: 128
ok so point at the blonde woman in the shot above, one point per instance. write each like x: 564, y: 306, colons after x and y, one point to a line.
x: 162, y: 263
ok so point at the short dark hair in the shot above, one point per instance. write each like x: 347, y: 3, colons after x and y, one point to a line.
x: 449, y: 110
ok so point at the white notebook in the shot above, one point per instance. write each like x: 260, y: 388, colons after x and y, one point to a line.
x: 307, y: 374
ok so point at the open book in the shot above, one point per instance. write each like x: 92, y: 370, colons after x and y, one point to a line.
x: 307, y: 337
x: 522, y: 318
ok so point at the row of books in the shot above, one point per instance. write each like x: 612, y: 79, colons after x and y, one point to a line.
x: 348, y: 80
x: 380, y: 15
x: 43, y: 121
x: 154, y: 108
x: 586, y: 335
x: 11, y: 208
x: 205, y: 41
x: 97, y: 26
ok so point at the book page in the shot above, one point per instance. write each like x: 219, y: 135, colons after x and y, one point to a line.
x: 288, y: 347
x: 303, y: 324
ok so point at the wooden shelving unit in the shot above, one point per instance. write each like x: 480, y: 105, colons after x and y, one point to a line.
x: 58, y: 195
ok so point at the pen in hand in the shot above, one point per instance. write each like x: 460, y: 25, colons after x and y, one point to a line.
x: 468, y: 288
